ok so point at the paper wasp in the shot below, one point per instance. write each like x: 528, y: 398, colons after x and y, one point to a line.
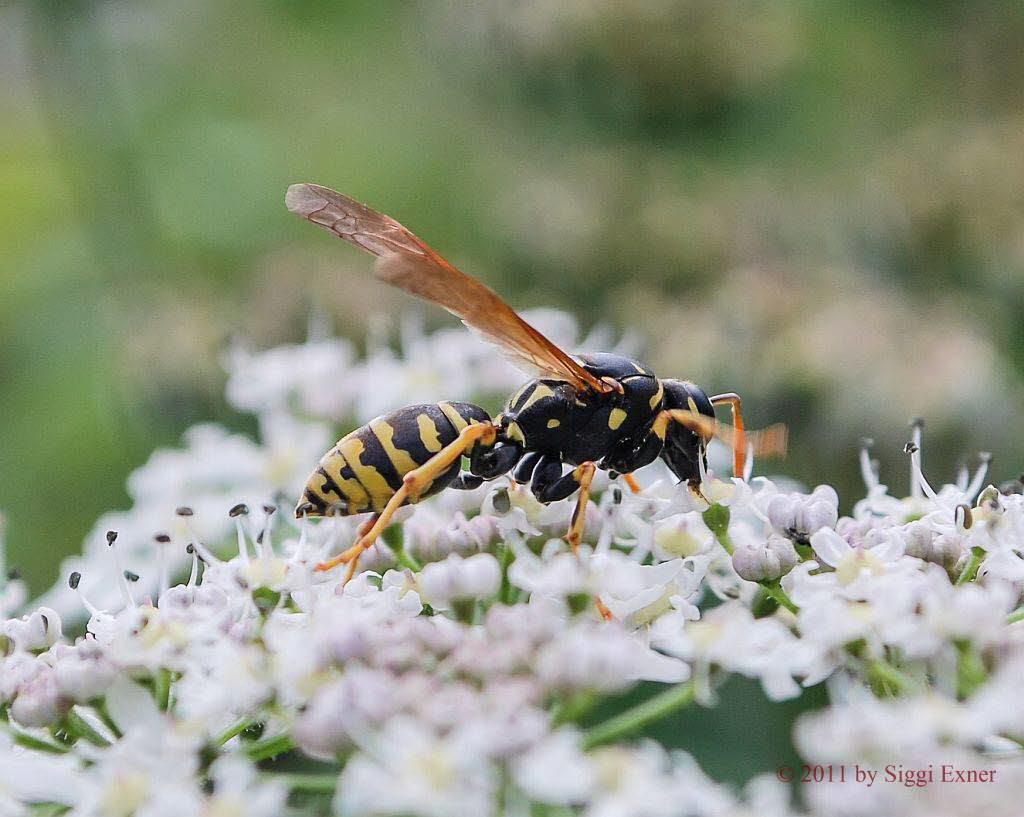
x: 587, y: 412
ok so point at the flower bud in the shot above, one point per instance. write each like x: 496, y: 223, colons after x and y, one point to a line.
x: 765, y: 561
x: 801, y: 515
x: 83, y: 673
x: 457, y: 578
x: 924, y: 542
x: 38, y: 701
x: 36, y: 631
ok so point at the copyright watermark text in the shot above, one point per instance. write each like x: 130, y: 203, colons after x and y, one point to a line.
x: 893, y: 774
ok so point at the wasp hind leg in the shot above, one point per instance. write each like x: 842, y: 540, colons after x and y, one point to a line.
x: 413, y: 485
x: 364, y: 526
x: 739, y: 443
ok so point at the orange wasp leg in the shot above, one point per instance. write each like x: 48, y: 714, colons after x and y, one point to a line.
x: 739, y: 442
x: 584, y: 475
x: 634, y: 486
x: 413, y: 485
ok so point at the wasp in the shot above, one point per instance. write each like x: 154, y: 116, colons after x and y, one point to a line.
x: 579, y: 413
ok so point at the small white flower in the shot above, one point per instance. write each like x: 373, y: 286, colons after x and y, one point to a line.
x: 799, y: 516
x: 456, y: 579
x: 413, y: 771
x: 83, y: 672
x: 557, y: 770
x: 38, y: 700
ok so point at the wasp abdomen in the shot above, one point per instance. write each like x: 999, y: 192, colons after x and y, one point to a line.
x: 365, y: 468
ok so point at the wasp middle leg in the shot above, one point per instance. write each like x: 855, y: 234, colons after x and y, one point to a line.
x: 548, y: 484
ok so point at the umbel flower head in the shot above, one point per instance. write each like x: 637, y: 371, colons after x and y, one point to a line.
x: 193, y: 652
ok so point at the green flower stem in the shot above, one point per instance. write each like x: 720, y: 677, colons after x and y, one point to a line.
x: 162, y: 689
x: 313, y: 783
x: 79, y: 727
x: 576, y: 706
x: 971, y: 671
x: 716, y: 517
x: 889, y: 679
x: 270, y: 747
x: 1015, y: 616
x: 971, y: 571
x: 395, y: 539
x: 464, y: 610
x: 405, y: 559
x: 774, y: 589
x: 32, y: 742
x: 505, y: 593
x: 100, y: 706
x: 637, y: 717
x: 234, y: 730
x: 46, y: 809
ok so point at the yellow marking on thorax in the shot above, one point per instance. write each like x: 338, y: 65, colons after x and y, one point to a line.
x: 519, y: 393
x: 554, y: 423
x: 352, y: 489
x: 457, y: 419
x: 376, y: 486
x: 385, y: 433
x: 429, y: 435
x: 616, y: 418
x: 539, y: 393
x: 660, y: 426
x: 656, y: 400
x: 514, y: 432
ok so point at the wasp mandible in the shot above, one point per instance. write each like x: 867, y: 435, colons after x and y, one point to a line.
x: 586, y: 411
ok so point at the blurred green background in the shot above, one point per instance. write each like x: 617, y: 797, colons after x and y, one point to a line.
x: 818, y: 204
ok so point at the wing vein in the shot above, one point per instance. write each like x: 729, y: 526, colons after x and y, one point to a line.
x: 405, y: 261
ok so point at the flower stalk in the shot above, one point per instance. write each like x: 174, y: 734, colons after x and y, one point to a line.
x: 637, y: 717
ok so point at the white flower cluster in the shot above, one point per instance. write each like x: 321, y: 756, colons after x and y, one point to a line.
x: 462, y: 672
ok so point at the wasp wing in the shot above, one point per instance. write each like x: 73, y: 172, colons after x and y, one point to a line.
x: 406, y: 262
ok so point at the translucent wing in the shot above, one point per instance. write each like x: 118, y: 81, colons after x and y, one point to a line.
x: 408, y: 263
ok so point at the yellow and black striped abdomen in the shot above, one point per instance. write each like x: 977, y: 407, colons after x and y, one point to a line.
x: 365, y: 468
